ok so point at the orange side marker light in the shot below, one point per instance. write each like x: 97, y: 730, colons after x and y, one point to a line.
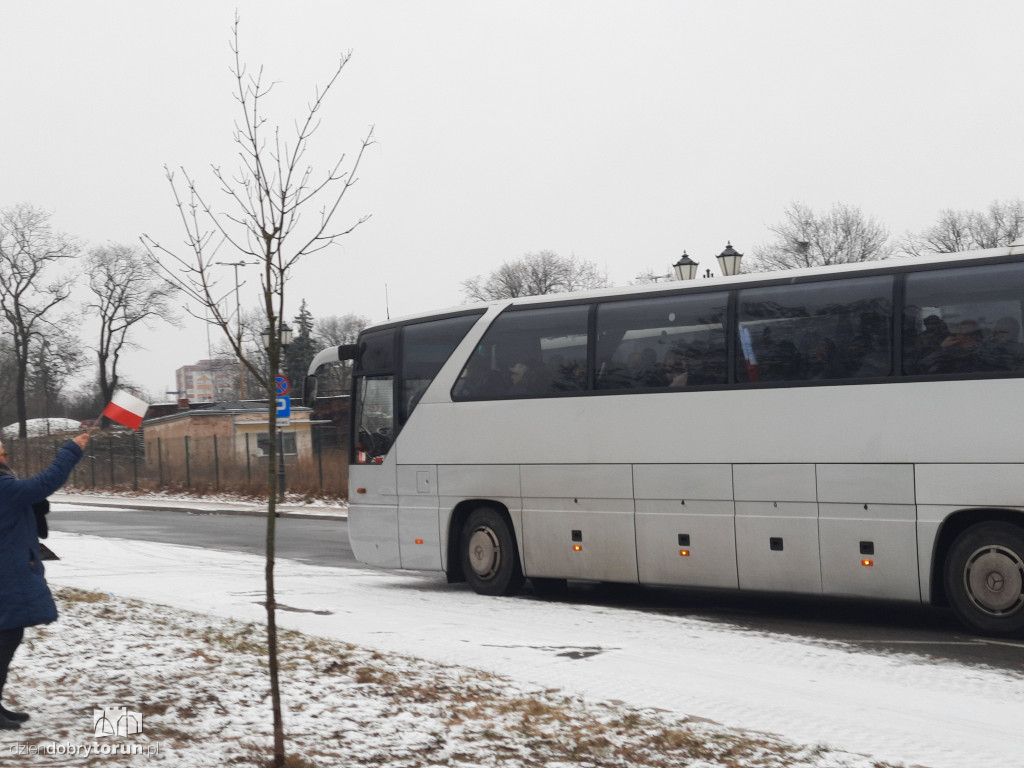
x: 867, y: 563
x: 684, y: 553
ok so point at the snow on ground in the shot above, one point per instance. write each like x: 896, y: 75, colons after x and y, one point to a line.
x: 41, y: 427
x: 894, y: 708
x: 199, y: 683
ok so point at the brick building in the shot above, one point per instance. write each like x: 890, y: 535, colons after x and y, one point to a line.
x: 208, y: 381
x: 234, y: 431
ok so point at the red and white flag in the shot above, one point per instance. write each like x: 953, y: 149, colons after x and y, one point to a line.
x: 126, y: 409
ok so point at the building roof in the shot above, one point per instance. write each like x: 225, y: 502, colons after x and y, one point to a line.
x: 221, y: 409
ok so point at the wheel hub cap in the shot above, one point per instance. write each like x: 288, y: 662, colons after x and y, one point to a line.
x: 484, y: 553
x: 994, y: 579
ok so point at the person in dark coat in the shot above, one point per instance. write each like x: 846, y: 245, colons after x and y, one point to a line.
x: 25, y: 600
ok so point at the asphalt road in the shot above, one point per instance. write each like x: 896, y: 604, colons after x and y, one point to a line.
x: 870, y: 625
x: 311, y: 540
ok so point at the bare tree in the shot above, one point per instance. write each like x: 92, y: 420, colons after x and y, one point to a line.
x: 535, y: 274
x: 805, y: 238
x: 333, y: 331
x: 55, y: 359
x: 33, y: 284
x: 277, y: 214
x: 8, y: 377
x: 954, y: 231
x: 128, y: 291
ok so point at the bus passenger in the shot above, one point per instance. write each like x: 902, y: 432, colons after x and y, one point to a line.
x: 958, y: 352
x: 1003, y: 351
x: 782, y: 362
x: 520, y: 382
x: 822, y: 360
x: 677, y: 371
x: 923, y: 346
x: 650, y: 373
x: 478, y: 379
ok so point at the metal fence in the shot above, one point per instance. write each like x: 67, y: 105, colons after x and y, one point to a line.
x: 121, y: 459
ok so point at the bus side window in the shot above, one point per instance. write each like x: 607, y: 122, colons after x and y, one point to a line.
x: 964, y: 320
x: 646, y: 343
x: 425, y: 348
x: 825, y: 330
x: 528, y: 353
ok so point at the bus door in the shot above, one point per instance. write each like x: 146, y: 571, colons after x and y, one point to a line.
x: 373, y: 487
x: 425, y: 348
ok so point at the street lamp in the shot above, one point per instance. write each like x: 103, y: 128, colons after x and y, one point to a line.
x: 685, y: 268
x: 285, y: 335
x: 729, y: 260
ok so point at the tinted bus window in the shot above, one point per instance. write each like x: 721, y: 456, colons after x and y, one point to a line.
x: 376, y: 353
x: 666, y: 341
x: 964, y: 320
x: 528, y: 353
x: 425, y: 348
x: 836, y: 329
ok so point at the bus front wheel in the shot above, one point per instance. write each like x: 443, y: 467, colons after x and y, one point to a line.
x: 985, y: 578
x: 489, y: 557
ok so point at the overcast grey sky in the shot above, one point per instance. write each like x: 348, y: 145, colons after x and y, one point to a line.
x: 623, y: 132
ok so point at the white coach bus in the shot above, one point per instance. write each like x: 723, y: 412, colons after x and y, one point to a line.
x: 854, y: 430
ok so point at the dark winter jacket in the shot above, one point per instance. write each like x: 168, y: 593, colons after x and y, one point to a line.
x: 25, y: 600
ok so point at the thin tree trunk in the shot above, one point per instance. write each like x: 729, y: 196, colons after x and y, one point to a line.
x: 271, y: 603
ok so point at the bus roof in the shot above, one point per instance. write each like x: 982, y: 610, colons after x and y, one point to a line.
x: 787, y: 275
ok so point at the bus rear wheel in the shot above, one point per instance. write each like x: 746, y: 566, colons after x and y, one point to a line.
x: 985, y: 578
x: 489, y: 557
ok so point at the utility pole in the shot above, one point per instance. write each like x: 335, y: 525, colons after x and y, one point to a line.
x: 238, y: 320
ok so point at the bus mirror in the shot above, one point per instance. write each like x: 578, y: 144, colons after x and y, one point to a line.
x: 309, y: 392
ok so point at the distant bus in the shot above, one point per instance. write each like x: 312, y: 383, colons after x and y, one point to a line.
x: 854, y: 430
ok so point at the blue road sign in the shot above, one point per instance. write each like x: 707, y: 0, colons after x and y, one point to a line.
x: 284, y: 407
x: 281, y: 385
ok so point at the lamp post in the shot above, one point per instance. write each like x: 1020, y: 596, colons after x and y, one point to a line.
x: 729, y: 260
x: 285, y: 336
x: 685, y: 268
x: 238, y: 319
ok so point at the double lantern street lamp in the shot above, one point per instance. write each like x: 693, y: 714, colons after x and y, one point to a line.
x: 728, y: 261
x: 285, y: 335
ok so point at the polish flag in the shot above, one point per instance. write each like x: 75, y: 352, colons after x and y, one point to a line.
x: 126, y: 409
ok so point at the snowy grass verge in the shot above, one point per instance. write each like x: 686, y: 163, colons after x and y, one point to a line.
x: 200, y: 684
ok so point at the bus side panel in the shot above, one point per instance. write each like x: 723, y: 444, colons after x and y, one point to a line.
x: 419, y: 539
x: 373, y: 514
x: 685, y: 532
x: 971, y: 485
x: 695, y: 547
x: 373, y: 533
x: 487, y: 482
x: 869, y: 552
x: 944, y: 489
x: 578, y: 522
x: 777, y: 544
x: 867, y: 525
